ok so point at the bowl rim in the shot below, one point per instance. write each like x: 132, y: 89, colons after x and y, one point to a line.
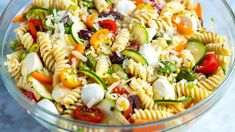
x: 78, y: 122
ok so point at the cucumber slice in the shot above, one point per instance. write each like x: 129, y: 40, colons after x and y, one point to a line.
x: 197, y: 49
x: 94, y: 76
x: 107, y: 105
x: 37, y: 12
x: 41, y: 90
x: 74, y: 29
x: 135, y: 55
x: 173, y: 102
x: 140, y: 34
x: 118, y: 69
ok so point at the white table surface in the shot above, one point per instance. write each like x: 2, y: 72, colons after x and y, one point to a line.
x: 221, y: 118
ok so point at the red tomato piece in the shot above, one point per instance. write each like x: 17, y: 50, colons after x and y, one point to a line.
x: 209, y: 65
x: 29, y: 94
x: 120, y: 90
x: 109, y: 24
x: 93, y: 114
x: 34, y: 26
x: 128, y: 112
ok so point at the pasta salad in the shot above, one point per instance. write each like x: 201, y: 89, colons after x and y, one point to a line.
x: 116, y: 61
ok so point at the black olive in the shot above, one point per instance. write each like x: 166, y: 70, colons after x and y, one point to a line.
x: 117, y: 58
x: 85, y: 34
x: 135, y: 102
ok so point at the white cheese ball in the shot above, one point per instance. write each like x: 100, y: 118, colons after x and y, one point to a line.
x: 92, y: 94
x: 48, y: 105
x: 163, y: 89
x: 149, y: 54
x: 125, y: 7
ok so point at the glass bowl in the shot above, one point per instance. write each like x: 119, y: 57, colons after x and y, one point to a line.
x: 224, y: 19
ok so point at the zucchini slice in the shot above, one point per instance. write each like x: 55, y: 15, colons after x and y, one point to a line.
x: 40, y: 89
x: 198, y: 50
x: 74, y: 29
x: 118, y: 69
x: 135, y: 55
x: 93, y: 75
x: 173, y: 102
x: 140, y: 34
x: 37, y: 12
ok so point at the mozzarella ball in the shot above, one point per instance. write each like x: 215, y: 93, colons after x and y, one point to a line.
x: 163, y: 89
x: 92, y: 94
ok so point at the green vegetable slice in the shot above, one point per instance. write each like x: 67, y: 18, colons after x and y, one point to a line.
x: 140, y: 34
x: 172, y: 102
x: 197, y: 49
x: 37, y: 12
x: 93, y: 75
x: 135, y: 55
x: 119, y: 70
x: 75, y: 28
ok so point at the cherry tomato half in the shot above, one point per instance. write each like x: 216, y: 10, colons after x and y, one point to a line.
x: 34, y: 26
x: 69, y: 78
x: 109, y: 24
x: 209, y: 65
x: 93, y: 114
x: 29, y: 94
x: 128, y: 112
x: 120, y: 90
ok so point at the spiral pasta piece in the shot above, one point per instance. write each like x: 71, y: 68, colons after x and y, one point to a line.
x: 163, y: 108
x: 143, y: 16
x: 139, y: 70
x: 170, y: 9
x: 46, y: 50
x: 138, y: 84
x: 27, y: 41
x: 72, y: 97
x: 190, y: 89
x: 61, y: 62
x: 207, y: 37
x: 14, y: 65
x: 160, y: 24
x: 102, y: 65
x: 223, y: 61
x: 218, y: 49
x: 121, y: 40
x: 20, y: 31
x: 146, y: 100
x: 201, y: 77
x: 213, y: 81
x: 150, y: 114
x: 53, y: 4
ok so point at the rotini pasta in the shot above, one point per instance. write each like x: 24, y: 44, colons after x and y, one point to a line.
x: 102, y: 65
x: 138, y: 84
x: 27, y: 41
x: 46, y: 50
x: 213, y: 81
x: 207, y: 37
x: 218, y: 49
x: 121, y: 40
x: 72, y: 97
x: 139, y: 70
x: 146, y: 100
x: 150, y: 114
x: 190, y: 89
